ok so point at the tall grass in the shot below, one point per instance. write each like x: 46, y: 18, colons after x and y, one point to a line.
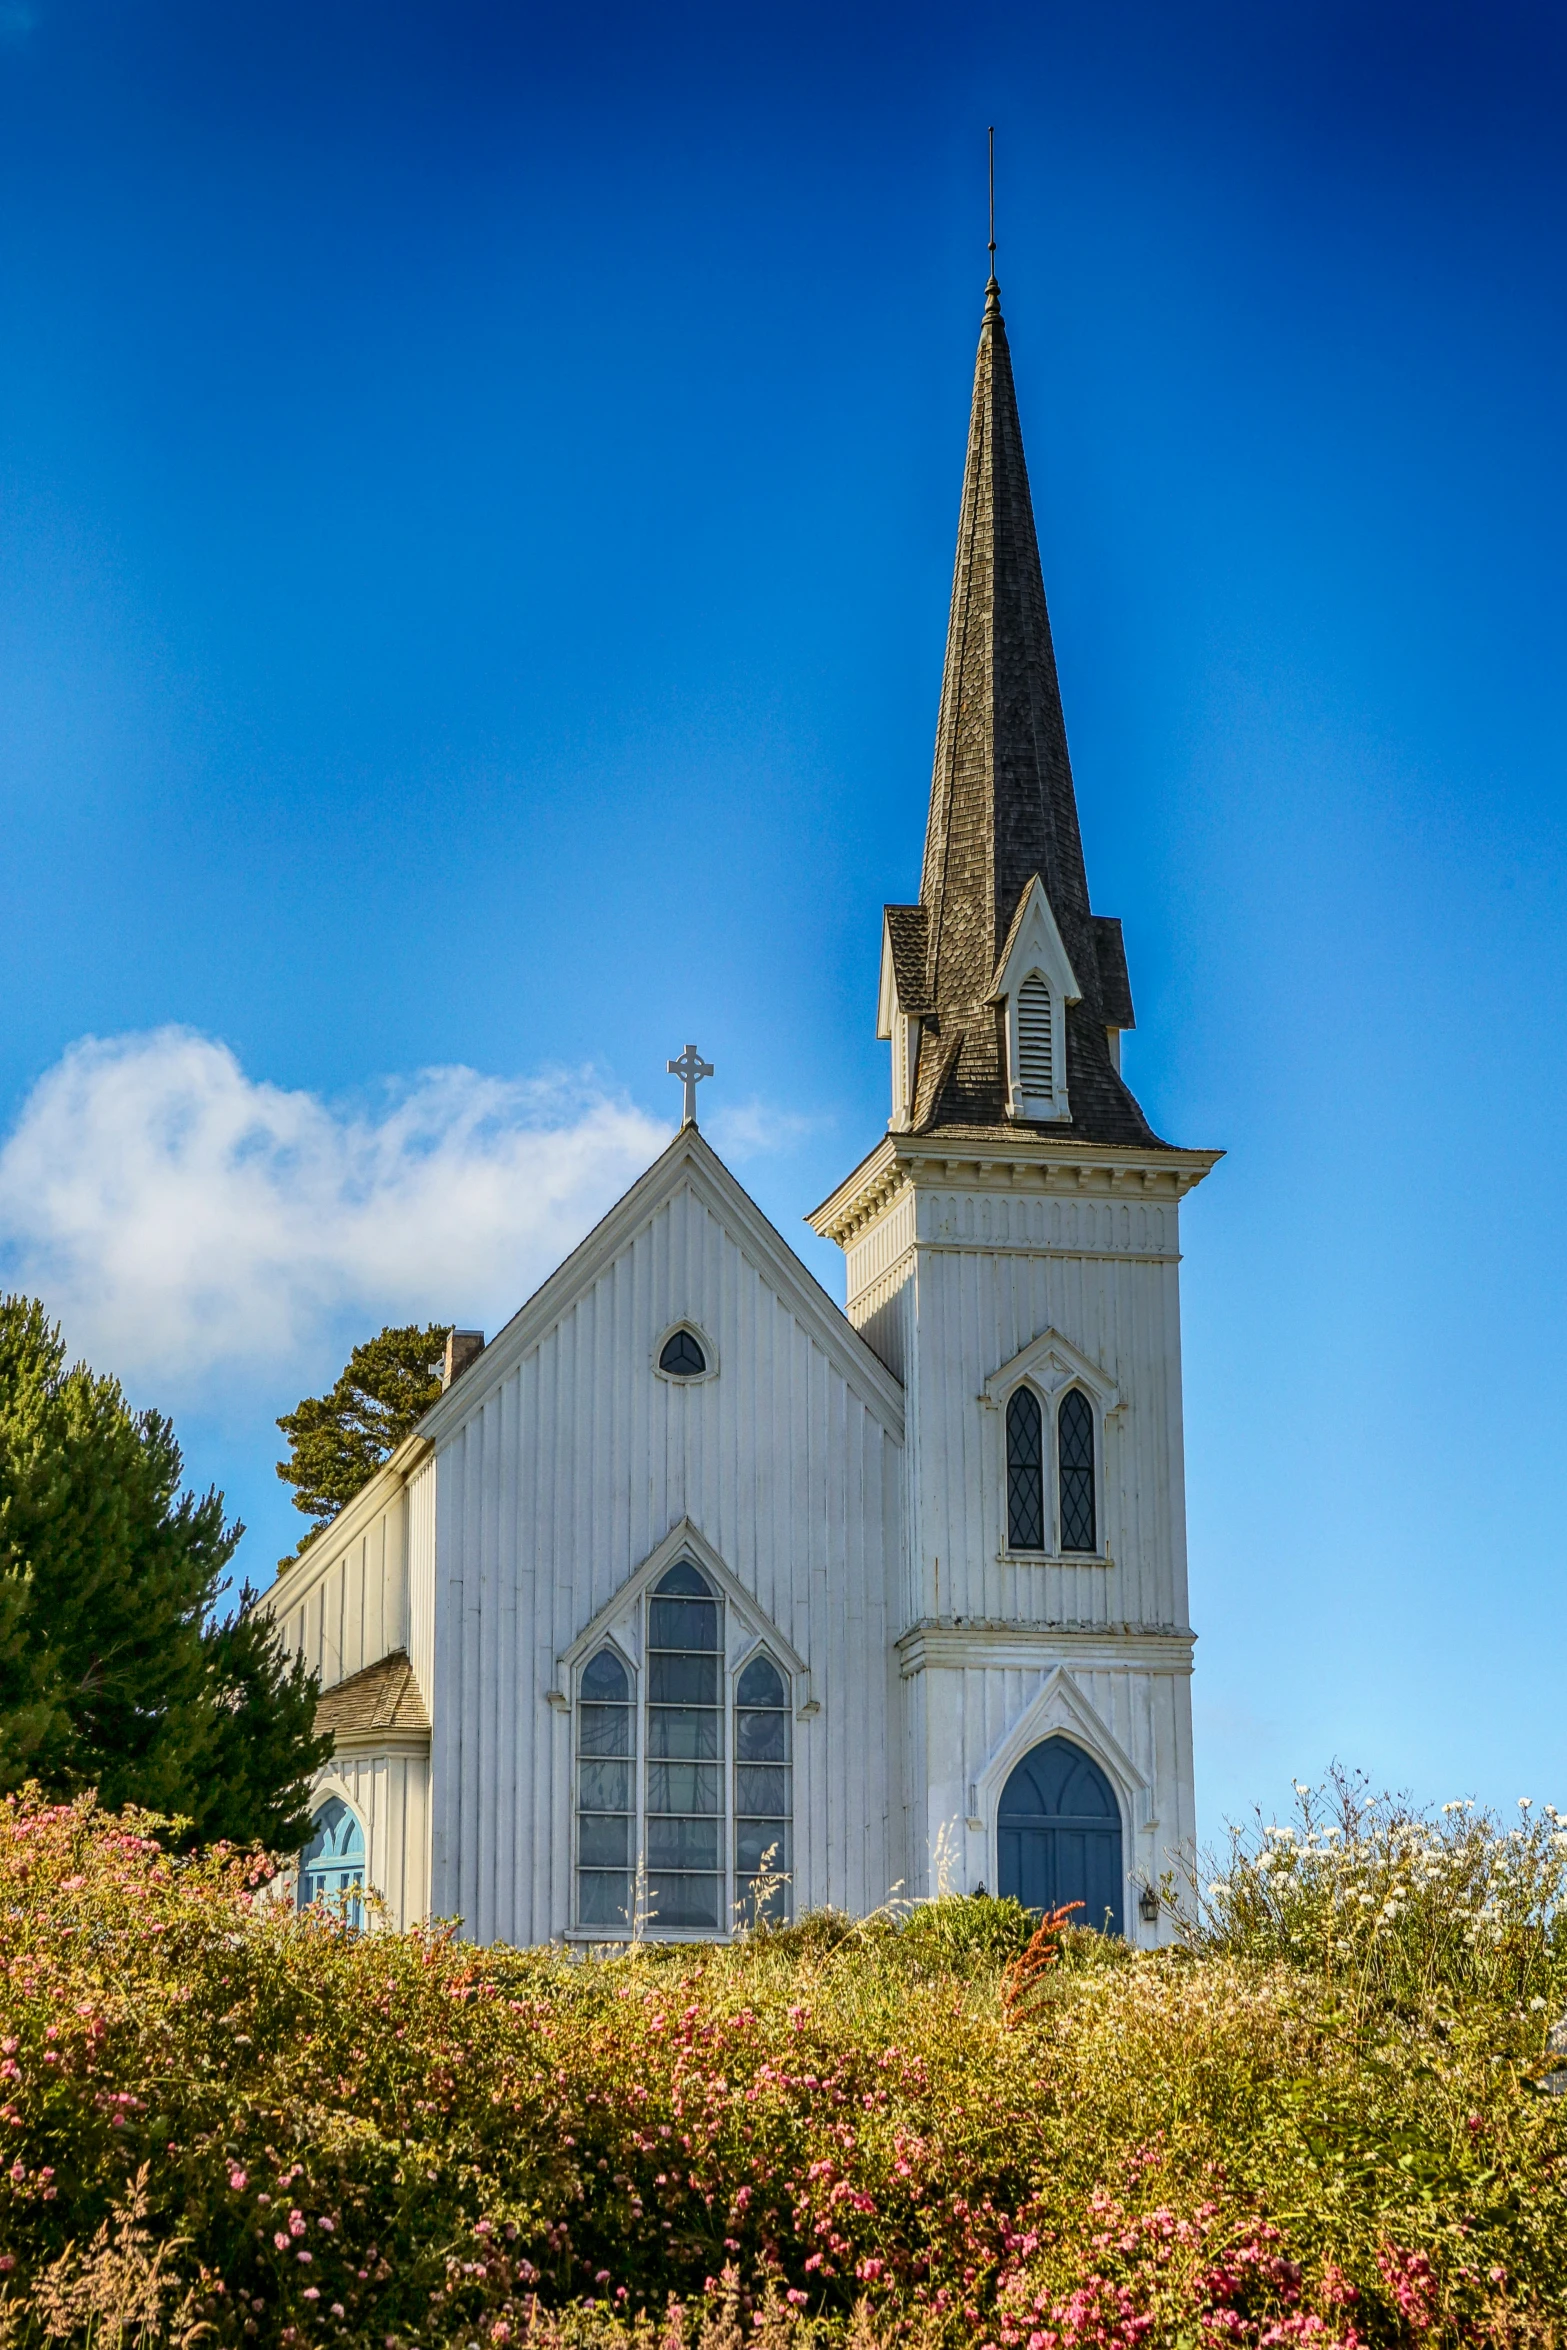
x: 1325, y: 2116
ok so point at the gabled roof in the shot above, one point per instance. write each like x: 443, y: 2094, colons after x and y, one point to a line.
x: 1002, y: 803
x: 1046, y: 930
x: 691, y: 1163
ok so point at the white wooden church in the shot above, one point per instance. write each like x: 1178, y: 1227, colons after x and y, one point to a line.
x: 693, y: 1592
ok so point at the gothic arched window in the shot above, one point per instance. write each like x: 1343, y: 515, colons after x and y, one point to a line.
x: 685, y: 1752
x: 1075, y: 1446
x: 682, y: 1356
x: 332, y: 1865
x: 682, y: 1845
x: 1025, y: 1472
x: 764, y: 1804
x: 606, y: 1793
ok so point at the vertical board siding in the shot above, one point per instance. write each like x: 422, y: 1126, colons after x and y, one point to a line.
x: 390, y: 1793
x: 570, y: 1474
x: 969, y: 1714
x: 345, y: 1604
x: 979, y: 1296
x: 421, y: 1581
x: 955, y: 1283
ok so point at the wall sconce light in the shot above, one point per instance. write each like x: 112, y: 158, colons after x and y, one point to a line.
x: 1148, y: 1906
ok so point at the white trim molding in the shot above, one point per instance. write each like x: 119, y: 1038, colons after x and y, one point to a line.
x: 1036, y: 1063
x: 619, y: 1619
x: 1050, y: 1363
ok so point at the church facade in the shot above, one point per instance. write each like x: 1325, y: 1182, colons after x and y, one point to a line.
x: 695, y: 1597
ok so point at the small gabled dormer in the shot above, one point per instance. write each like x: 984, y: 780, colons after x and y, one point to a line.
x: 902, y: 1004
x: 1033, y: 985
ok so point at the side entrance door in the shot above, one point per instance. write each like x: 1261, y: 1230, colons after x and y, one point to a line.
x: 1059, y: 1835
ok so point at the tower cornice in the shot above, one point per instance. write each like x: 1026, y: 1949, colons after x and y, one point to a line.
x: 992, y: 1160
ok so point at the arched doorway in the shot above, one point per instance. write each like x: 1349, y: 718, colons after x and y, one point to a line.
x: 332, y: 1865
x: 1058, y: 1835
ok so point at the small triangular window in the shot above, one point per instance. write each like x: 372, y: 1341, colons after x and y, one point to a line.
x: 682, y: 1357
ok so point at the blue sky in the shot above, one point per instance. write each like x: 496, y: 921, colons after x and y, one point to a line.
x: 477, y: 495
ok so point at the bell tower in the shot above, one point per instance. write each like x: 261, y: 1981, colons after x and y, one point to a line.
x: 1013, y: 1252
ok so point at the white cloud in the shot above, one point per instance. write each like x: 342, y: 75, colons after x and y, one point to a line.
x: 750, y: 1130
x: 188, y: 1224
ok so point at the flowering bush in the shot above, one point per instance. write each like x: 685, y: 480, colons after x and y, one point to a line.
x: 1318, y: 2120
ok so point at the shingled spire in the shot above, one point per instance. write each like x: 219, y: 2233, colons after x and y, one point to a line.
x: 1003, y: 810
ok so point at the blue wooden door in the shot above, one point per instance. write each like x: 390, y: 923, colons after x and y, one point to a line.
x: 1059, y: 1835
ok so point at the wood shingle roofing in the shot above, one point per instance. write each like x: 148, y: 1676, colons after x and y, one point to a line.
x: 383, y: 1698
x: 1003, y: 808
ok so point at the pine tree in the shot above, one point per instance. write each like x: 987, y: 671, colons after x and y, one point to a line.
x: 337, y: 1441
x: 115, y: 1671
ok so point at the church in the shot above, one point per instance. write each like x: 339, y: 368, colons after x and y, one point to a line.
x: 695, y: 1598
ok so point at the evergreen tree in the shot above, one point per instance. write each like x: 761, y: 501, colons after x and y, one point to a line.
x: 337, y: 1441
x: 114, y: 1670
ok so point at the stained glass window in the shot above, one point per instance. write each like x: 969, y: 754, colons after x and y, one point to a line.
x: 606, y: 1794
x: 682, y: 1357
x: 1025, y: 1472
x: 764, y: 1805
x: 1075, y: 1443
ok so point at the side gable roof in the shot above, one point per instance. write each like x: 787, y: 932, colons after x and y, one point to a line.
x: 690, y: 1163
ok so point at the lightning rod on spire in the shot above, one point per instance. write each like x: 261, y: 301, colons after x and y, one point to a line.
x: 992, y: 201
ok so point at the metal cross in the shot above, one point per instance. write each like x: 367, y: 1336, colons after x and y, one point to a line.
x: 690, y: 1069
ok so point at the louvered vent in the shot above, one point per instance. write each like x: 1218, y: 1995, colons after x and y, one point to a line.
x: 1035, y: 1070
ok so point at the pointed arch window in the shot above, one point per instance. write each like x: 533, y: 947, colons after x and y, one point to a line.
x: 685, y: 1751
x: 1075, y: 1452
x: 606, y: 1793
x: 764, y: 1795
x: 1025, y: 1472
x: 332, y: 1865
x: 685, y: 1777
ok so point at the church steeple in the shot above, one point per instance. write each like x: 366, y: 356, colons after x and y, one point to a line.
x: 1003, y: 815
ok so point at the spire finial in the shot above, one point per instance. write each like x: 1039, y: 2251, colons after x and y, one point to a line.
x: 992, y: 204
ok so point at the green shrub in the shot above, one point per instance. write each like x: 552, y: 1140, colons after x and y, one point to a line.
x: 1318, y: 2120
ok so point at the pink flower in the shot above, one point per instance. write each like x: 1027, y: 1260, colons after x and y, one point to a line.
x: 337, y: 2309
x: 324, y: 2222
x: 296, y: 2223
x: 312, y: 2292
x: 280, y: 2241
x: 306, y: 2258
x: 237, y: 2180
